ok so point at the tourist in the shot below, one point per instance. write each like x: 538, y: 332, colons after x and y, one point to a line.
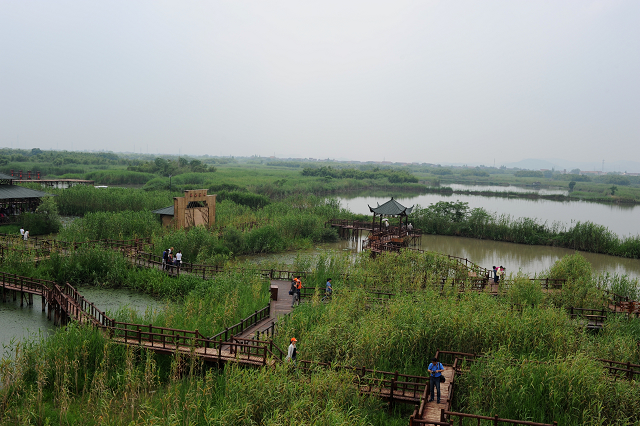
x: 179, y: 258
x: 25, y: 236
x: 296, y: 286
x: 292, y: 352
x: 165, y: 255
x: 410, y: 226
x: 496, y: 276
x: 501, y: 271
x: 327, y: 291
x: 435, y: 371
x: 22, y: 232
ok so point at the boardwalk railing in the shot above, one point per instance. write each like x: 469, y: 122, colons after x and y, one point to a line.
x: 625, y: 370
x: 391, y: 385
x: 244, y: 324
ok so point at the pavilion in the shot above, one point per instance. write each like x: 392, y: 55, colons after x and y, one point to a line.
x: 16, y: 199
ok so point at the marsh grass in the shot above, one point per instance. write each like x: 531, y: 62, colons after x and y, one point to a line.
x: 575, y: 390
x: 540, y: 362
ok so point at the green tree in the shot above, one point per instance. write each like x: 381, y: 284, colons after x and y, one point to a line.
x: 572, y: 185
x: 613, y: 189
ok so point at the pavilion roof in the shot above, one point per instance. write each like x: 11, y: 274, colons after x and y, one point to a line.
x: 391, y: 208
x: 8, y: 192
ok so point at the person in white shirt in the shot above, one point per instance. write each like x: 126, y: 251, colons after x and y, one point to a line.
x: 291, y: 353
x: 179, y: 258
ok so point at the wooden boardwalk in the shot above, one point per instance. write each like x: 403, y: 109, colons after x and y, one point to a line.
x: 431, y: 411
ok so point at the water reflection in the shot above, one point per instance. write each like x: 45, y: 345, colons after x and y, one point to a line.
x: 18, y: 323
x: 623, y: 219
x: 507, y: 188
x: 531, y: 260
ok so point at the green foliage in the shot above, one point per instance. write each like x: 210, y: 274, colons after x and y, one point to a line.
x: 125, y: 224
x: 198, y: 245
x: 399, y: 176
x: 81, y: 199
x: 118, y: 177
x: 165, y: 167
x: 264, y: 240
x: 572, y: 177
x: 454, y: 218
x: 581, y: 289
x: 44, y: 221
x: 572, y: 391
x: 474, y: 172
x: 440, y: 171
x: 528, y: 173
x: 524, y: 292
x: 617, y: 180
x: 255, y: 201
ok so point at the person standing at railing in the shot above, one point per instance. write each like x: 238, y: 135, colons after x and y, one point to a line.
x: 165, y: 255
x: 435, y: 371
x: 179, y: 258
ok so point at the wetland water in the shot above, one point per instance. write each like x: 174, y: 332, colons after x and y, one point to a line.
x: 531, y: 260
x: 17, y: 323
x: 622, y: 219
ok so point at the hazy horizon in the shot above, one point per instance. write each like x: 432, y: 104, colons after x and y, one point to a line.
x: 429, y: 81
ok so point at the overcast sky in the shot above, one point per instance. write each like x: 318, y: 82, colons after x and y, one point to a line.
x: 425, y: 81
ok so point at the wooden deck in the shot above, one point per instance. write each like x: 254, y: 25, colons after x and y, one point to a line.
x: 432, y: 410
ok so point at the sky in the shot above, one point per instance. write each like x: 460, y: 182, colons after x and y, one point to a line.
x: 455, y: 81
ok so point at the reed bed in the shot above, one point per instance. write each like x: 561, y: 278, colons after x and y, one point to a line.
x: 539, y: 363
x: 574, y: 390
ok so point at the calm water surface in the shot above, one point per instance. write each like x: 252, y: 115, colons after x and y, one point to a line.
x: 18, y: 323
x: 622, y: 219
x: 531, y: 260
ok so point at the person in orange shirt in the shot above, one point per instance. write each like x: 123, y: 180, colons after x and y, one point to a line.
x: 296, y: 292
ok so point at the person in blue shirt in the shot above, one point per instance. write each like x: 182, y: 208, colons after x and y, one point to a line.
x: 327, y: 291
x: 435, y: 371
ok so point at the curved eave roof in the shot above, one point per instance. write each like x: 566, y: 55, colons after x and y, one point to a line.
x: 12, y: 192
x: 391, y: 208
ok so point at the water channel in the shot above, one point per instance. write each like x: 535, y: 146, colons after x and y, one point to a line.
x: 19, y: 322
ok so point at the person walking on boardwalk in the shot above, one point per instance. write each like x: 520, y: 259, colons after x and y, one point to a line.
x: 165, y: 256
x: 22, y: 231
x: 328, y: 291
x: 292, y: 352
x: 296, y: 286
x: 26, y: 235
x: 435, y: 371
x: 496, y: 276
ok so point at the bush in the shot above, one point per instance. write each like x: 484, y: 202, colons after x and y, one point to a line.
x: 44, y: 221
x: 264, y: 240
